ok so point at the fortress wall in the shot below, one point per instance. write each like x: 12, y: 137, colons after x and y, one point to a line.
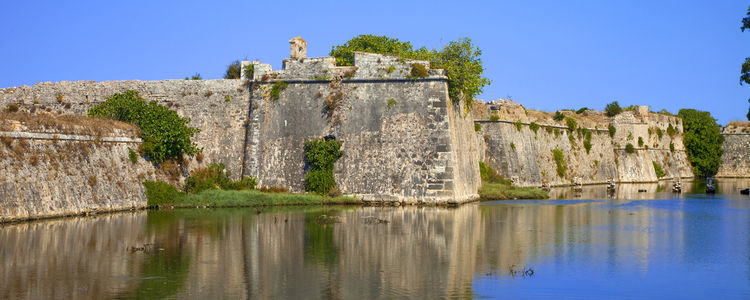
x: 529, y: 160
x: 222, y: 122
x: 415, y: 149
x: 735, y: 162
x: 44, y: 175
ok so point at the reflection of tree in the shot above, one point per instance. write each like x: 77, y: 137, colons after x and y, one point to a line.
x: 166, y: 267
x: 319, y: 245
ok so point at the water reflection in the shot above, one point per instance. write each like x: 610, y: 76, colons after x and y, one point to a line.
x: 589, y: 247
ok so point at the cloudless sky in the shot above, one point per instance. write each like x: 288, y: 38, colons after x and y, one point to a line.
x: 545, y: 55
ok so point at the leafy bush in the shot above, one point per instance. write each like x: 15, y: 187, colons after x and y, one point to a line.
x: 477, y: 127
x: 659, y: 133
x: 587, y: 145
x: 249, y: 71
x: 658, y: 170
x: 489, y: 175
x: 640, y: 141
x: 534, y: 127
x: 277, y: 88
x: 132, y: 156
x: 612, y: 131
x: 165, y: 134
x: 671, y: 147
x: 560, y: 161
x: 518, y: 125
x: 418, y: 71
x: 629, y: 148
x: 670, y: 130
x: 159, y: 193
x: 703, y: 141
x: 321, y: 154
x: 215, y: 176
x: 559, y: 116
x: 581, y: 110
x: 233, y: 70
x: 460, y: 60
x: 612, y: 109
x: 572, y: 124
x: 391, y: 103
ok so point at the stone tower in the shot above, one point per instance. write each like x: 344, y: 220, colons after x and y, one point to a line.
x: 297, y: 48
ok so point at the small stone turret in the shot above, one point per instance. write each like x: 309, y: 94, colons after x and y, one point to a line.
x: 297, y: 48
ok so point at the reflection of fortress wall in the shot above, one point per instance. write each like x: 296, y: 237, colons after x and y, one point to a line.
x: 77, y: 258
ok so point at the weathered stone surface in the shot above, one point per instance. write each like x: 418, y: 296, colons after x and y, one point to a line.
x: 219, y: 108
x: 735, y: 162
x: 43, y: 176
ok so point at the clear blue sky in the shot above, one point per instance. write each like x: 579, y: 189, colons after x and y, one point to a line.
x: 544, y: 54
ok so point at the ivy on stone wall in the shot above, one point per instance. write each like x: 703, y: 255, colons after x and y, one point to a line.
x: 321, y: 154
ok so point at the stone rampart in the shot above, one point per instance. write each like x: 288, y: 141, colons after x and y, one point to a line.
x: 403, y: 139
x: 735, y: 162
x: 219, y: 108
x: 519, y: 153
x: 47, y: 174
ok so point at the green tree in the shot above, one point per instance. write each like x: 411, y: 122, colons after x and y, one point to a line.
x: 233, y: 70
x: 702, y: 139
x: 460, y: 60
x: 613, y: 109
x: 165, y: 134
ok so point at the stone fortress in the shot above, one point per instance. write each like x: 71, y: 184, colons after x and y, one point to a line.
x: 404, y: 140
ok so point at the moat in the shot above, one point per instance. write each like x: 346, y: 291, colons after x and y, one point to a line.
x: 632, y: 244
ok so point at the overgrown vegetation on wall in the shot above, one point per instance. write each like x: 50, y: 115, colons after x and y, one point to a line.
x: 215, y: 176
x: 277, y: 88
x: 557, y: 155
x: 702, y: 141
x: 233, y: 70
x: 165, y: 134
x: 321, y: 154
x: 460, y: 60
x: 658, y: 170
x: 495, y: 187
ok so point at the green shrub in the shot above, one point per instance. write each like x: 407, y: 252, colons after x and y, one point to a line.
x: 612, y: 131
x: 659, y: 133
x: 391, y: 103
x: 671, y: 147
x: 556, y: 132
x: 233, y: 70
x: 613, y: 109
x: 132, y: 156
x: 587, y: 145
x: 196, y: 76
x: 277, y: 88
x: 159, y: 193
x: 494, y: 118
x: 560, y: 161
x: 658, y: 170
x: 249, y: 71
x: 518, y: 125
x: 572, y: 124
x: 571, y: 138
x: 512, y: 146
x: 629, y: 148
x: 215, y: 176
x: 165, y: 134
x: 489, y: 175
x: 640, y: 141
x: 534, y: 127
x: 559, y: 116
x: 702, y: 140
x: 321, y: 154
x: 581, y: 110
x: 671, y: 131
x: 477, y: 127
x: 418, y: 71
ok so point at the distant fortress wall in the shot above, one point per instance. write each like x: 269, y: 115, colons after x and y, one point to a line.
x: 735, y: 162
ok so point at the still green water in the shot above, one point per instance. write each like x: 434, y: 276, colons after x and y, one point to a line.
x: 631, y: 244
